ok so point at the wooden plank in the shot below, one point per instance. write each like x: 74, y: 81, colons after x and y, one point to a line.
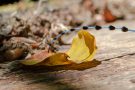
x: 115, y: 71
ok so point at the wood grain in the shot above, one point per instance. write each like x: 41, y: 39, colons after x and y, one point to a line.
x: 112, y: 69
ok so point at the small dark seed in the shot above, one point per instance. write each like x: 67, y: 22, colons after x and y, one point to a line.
x: 54, y: 38
x: 49, y: 44
x: 17, y: 19
x: 124, y: 29
x: 72, y: 29
x: 55, y: 48
x: 85, y: 27
x: 62, y: 33
x: 111, y: 27
x: 98, y: 27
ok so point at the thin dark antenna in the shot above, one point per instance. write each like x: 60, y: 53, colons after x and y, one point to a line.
x: 111, y: 27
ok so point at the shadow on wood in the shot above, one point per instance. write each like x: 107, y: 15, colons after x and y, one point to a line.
x: 82, y: 66
x: 52, y: 77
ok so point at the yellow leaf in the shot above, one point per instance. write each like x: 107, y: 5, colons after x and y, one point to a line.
x: 47, y: 59
x: 56, y: 59
x: 90, y: 42
x: 78, y: 51
x: 83, y: 47
x: 36, y: 58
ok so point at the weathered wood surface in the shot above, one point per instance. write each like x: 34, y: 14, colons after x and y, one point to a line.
x: 115, y: 71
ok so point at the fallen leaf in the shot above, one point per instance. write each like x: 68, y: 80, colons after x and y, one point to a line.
x: 14, y: 54
x: 91, y: 43
x: 108, y: 16
x: 83, y: 49
x: 79, y: 50
x: 56, y: 59
x: 36, y: 58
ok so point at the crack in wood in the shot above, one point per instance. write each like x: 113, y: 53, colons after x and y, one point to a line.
x: 130, y: 54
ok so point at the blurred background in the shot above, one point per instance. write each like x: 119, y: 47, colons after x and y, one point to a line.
x: 71, y: 12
